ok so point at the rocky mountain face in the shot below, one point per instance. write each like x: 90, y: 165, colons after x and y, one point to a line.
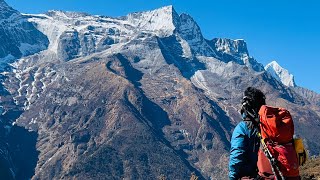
x: 18, y: 36
x: 137, y: 97
x: 310, y: 95
x: 228, y: 50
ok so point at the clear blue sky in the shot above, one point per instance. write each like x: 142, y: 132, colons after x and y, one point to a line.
x: 287, y: 31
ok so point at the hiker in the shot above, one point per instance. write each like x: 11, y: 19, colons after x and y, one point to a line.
x: 245, y: 142
x: 263, y: 145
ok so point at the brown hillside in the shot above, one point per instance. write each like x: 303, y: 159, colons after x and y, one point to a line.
x: 311, y: 170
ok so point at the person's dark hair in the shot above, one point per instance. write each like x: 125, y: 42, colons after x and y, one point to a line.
x: 252, y: 101
x: 257, y: 97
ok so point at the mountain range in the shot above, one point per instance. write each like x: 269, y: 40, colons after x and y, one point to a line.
x: 135, y: 97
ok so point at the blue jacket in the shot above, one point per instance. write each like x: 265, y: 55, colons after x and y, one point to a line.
x: 243, y: 152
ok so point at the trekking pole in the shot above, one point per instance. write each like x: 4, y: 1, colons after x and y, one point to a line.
x: 272, y: 160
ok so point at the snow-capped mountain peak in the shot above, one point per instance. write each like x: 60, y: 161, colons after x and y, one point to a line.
x: 280, y: 74
x: 162, y: 21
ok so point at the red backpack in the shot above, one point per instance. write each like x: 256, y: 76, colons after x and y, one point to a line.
x: 277, y: 129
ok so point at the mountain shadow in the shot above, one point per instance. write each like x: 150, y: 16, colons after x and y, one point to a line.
x: 22, y: 144
x: 173, y: 54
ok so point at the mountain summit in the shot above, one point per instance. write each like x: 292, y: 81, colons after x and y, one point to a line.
x: 162, y: 21
x: 280, y: 74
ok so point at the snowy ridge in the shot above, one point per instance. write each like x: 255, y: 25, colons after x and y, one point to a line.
x: 280, y: 74
x: 235, y: 50
x: 103, y: 32
x: 20, y: 38
x: 161, y: 21
x: 189, y: 30
x: 91, y: 27
x: 90, y: 33
x: 234, y: 47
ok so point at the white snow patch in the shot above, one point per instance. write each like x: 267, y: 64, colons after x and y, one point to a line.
x: 185, y: 48
x: 199, y: 80
x: 52, y: 28
x: 33, y: 121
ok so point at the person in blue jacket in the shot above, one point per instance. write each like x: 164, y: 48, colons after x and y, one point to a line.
x: 245, y: 142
